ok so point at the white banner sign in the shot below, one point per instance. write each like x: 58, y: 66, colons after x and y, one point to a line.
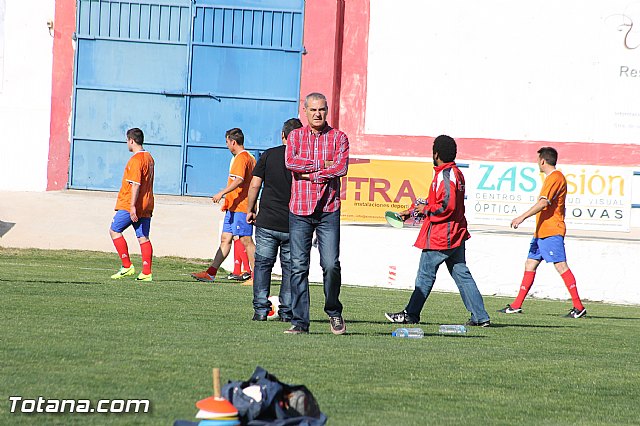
x: 598, y: 198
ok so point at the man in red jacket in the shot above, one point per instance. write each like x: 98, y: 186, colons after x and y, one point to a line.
x: 442, y: 238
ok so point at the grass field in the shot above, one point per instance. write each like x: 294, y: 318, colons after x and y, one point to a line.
x: 68, y: 331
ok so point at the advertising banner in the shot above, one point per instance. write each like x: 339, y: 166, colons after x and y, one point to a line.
x: 598, y: 198
x: 374, y: 186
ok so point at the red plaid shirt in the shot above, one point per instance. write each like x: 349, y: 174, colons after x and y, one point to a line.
x: 306, y: 153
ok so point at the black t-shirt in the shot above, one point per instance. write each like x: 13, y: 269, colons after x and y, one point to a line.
x: 276, y: 190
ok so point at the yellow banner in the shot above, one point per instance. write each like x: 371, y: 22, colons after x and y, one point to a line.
x: 374, y: 186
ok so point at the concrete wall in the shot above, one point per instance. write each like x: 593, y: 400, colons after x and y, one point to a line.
x: 25, y: 94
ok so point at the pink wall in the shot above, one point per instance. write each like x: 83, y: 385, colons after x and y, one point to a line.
x: 61, y: 91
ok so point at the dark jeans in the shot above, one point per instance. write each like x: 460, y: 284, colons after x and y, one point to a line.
x: 454, y: 258
x: 327, y: 229
x: 267, y: 244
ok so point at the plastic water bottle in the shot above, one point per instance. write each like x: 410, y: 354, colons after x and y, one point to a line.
x: 408, y: 333
x: 452, y: 329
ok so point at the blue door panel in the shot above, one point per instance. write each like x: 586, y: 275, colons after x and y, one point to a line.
x: 98, y: 164
x: 260, y: 121
x: 297, y: 5
x: 168, y: 168
x: 207, y: 170
x: 159, y: 20
x: 107, y: 116
x: 133, y: 66
x: 252, y: 73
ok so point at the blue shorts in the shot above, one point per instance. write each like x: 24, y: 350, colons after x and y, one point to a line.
x: 551, y: 249
x: 122, y: 220
x: 235, y: 223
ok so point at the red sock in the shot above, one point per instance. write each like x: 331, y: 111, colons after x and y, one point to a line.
x: 527, y: 282
x: 147, y: 254
x: 123, y: 251
x: 237, y: 256
x: 245, y: 258
x: 212, y: 271
x: 570, y: 282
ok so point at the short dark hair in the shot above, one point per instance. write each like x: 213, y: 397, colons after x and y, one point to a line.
x: 446, y: 148
x: 289, y: 125
x: 235, y: 134
x: 549, y: 155
x: 136, y: 134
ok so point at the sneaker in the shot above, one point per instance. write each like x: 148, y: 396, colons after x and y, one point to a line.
x: 575, y: 313
x: 337, y: 325
x: 509, y: 310
x: 123, y: 272
x: 471, y: 323
x: 144, y: 277
x: 399, y: 318
x: 296, y: 329
x: 203, y: 276
x: 234, y: 277
x: 245, y: 276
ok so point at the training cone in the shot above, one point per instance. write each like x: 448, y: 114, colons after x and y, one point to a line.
x: 216, y: 406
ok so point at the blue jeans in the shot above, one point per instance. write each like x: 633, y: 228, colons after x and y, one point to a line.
x: 267, y: 243
x: 430, y: 261
x: 327, y: 229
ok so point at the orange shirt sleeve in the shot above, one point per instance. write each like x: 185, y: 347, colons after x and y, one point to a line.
x: 133, y: 171
x: 551, y: 186
x: 240, y: 166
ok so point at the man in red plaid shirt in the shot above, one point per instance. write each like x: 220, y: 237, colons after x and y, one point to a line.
x: 317, y: 155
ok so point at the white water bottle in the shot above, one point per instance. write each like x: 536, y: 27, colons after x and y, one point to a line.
x: 452, y: 329
x: 408, y: 333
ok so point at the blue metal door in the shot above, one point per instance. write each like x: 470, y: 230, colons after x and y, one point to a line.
x: 247, y: 55
x: 185, y: 72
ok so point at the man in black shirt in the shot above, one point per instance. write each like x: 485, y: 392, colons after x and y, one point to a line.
x: 272, y: 226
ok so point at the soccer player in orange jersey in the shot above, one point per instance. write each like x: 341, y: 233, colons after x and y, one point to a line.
x: 135, y: 207
x: 548, y: 237
x: 235, y: 205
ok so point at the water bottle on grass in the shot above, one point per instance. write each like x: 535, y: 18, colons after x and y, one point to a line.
x: 452, y: 329
x: 408, y: 333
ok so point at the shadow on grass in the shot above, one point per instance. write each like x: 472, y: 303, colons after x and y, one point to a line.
x: 494, y: 325
x: 422, y: 324
x: 52, y: 282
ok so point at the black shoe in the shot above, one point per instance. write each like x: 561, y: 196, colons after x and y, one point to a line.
x: 575, y: 313
x: 234, y: 277
x: 337, y: 325
x: 296, y: 329
x: 400, y: 318
x: 471, y: 323
x: 245, y: 276
x: 285, y: 319
x: 509, y: 310
x: 259, y: 317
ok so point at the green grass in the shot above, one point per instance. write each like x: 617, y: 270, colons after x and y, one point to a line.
x: 68, y: 331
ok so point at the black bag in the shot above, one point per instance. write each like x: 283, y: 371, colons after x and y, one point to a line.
x: 281, y: 404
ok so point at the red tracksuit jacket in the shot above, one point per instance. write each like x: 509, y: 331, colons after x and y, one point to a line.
x: 444, y: 226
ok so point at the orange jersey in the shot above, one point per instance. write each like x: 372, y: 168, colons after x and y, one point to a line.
x: 241, y: 167
x: 550, y: 221
x: 139, y: 170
